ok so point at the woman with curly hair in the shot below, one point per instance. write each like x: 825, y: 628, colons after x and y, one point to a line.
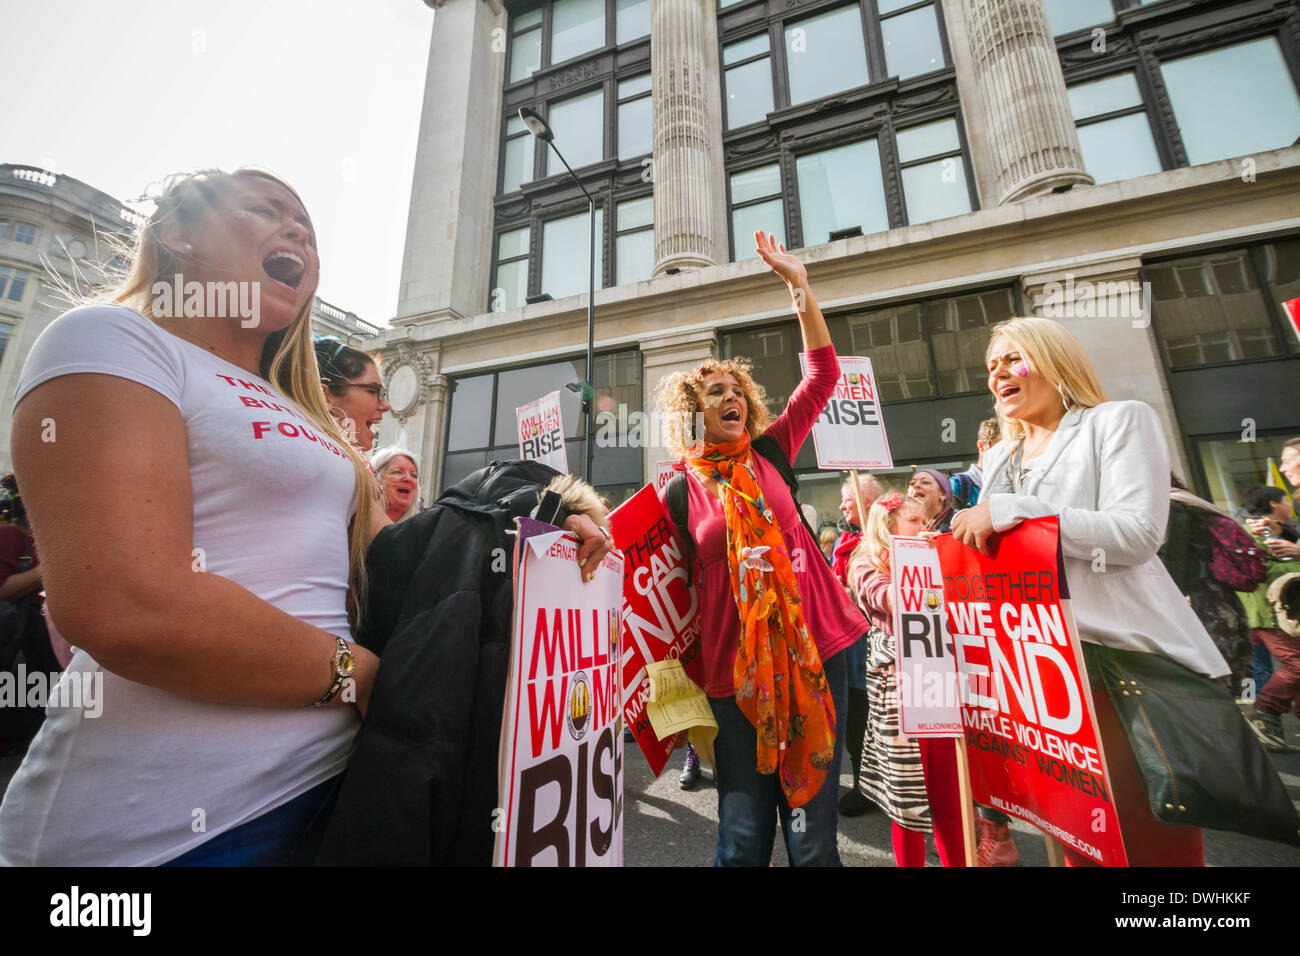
x: 775, y: 620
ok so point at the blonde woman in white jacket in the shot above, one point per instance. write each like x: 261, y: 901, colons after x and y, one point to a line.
x: 1103, y: 468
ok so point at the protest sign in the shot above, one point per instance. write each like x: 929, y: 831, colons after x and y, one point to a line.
x: 927, y: 671
x: 850, y: 431
x: 561, y: 757
x: 541, y: 433
x: 1031, y: 730
x: 664, y: 472
x: 659, y: 621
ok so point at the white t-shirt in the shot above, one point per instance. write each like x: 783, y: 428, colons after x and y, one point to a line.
x: 155, y: 774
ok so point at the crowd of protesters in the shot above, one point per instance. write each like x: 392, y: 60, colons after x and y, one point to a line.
x: 240, y: 691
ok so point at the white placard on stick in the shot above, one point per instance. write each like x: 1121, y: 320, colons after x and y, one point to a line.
x: 541, y: 432
x: 850, y: 431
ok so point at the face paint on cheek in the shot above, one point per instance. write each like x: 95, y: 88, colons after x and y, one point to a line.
x: 712, y: 401
x: 1021, y: 370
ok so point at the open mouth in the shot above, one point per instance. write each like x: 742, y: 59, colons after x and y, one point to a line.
x: 284, y: 267
x: 1008, y: 391
x: 731, y: 416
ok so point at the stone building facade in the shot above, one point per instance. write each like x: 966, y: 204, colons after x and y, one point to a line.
x: 1126, y: 167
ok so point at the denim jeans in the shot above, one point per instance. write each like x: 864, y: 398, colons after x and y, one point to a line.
x: 750, y: 803
x: 289, y: 835
x: 855, y: 661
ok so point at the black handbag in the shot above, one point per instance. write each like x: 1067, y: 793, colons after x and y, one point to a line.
x: 1199, y: 759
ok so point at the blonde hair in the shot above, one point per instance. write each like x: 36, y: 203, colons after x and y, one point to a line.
x: 881, y: 523
x: 291, y: 367
x: 680, y: 396
x: 1051, y: 350
x: 381, y: 460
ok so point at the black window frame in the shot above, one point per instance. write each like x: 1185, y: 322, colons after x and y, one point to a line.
x: 873, y: 111
x: 1278, y: 322
x: 844, y: 313
x: 495, y: 447
x: 1141, y: 37
x: 618, y: 233
x: 554, y: 195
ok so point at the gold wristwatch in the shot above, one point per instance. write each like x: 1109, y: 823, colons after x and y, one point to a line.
x: 343, y: 664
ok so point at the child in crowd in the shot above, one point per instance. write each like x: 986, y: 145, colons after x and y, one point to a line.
x: 915, y: 782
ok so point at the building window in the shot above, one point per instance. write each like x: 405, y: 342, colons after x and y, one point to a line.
x: 774, y: 350
x: 525, y: 45
x: 517, y: 157
x: 863, y: 62
x: 756, y: 205
x: 6, y: 330
x: 481, y: 422
x: 634, y: 240
x: 24, y: 233
x: 511, y: 286
x: 1067, y: 16
x: 577, y: 27
x: 840, y: 188
x: 910, y: 34
x: 635, y: 117
x: 566, y: 254
x: 1232, y: 465
x: 922, y: 349
x: 1209, y: 92
x: 933, y: 173
x: 581, y: 119
x: 747, y: 81
x: 471, y: 413
x: 958, y: 328
x: 825, y: 54
x: 4, y: 229
x: 13, y: 283
x: 1114, y: 132
x: 1211, y: 309
x: 632, y: 20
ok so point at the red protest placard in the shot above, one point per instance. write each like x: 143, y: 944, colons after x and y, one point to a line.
x: 1031, y: 730
x: 658, y: 609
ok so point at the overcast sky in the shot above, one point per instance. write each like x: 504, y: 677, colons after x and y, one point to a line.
x: 324, y: 93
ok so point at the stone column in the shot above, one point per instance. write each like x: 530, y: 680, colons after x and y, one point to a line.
x: 1021, y: 97
x: 432, y: 452
x: 686, y: 185
x: 448, y: 247
x: 1107, y: 307
x: 662, y: 355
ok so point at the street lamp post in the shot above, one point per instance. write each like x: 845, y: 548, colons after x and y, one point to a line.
x: 539, y: 128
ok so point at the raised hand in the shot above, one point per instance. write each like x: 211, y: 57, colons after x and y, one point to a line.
x: 779, y: 261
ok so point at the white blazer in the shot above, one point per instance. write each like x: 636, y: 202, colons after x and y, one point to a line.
x: 1105, y: 473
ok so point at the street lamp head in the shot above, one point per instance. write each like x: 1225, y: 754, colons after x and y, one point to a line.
x: 536, y: 125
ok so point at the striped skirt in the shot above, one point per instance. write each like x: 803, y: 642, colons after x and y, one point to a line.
x: 892, y: 776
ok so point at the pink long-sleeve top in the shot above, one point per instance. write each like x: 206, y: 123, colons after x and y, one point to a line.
x: 872, y: 588
x: 832, y: 618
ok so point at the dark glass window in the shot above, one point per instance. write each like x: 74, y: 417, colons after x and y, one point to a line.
x: 1210, y: 309
x: 471, y: 413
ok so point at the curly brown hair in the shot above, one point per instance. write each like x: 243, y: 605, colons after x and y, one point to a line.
x: 679, y: 398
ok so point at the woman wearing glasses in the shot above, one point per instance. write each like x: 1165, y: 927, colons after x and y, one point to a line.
x: 353, y: 390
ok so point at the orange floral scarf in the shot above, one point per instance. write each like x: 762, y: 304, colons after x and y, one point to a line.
x: 780, y: 684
